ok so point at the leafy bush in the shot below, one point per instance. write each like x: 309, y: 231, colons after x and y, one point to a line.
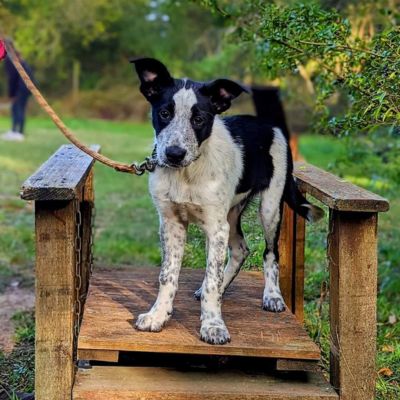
x: 337, y: 56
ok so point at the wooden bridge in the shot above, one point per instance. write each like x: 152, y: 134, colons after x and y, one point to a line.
x: 86, y: 344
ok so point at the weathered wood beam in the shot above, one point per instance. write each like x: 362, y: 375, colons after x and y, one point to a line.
x: 352, y: 256
x: 86, y: 209
x: 298, y: 267
x: 291, y: 261
x: 61, y: 177
x: 286, y: 253
x: 335, y: 192
x: 55, y: 299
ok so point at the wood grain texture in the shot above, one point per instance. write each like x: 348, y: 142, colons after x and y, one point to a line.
x: 98, y: 355
x: 61, y: 176
x: 297, y: 365
x: 335, y: 192
x: 117, y: 297
x: 352, y: 254
x: 151, y: 383
x: 86, y: 208
x: 285, y: 246
x: 55, y: 299
x: 291, y: 261
x: 298, y: 296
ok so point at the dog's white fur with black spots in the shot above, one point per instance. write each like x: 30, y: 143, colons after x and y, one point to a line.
x: 209, y: 168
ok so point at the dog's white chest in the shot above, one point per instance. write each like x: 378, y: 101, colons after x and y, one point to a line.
x: 177, y: 187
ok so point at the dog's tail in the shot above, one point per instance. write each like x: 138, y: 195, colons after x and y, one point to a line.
x: 299, y: 203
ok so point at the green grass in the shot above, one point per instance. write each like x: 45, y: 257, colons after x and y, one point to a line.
x: 17, y: 368
x: 321, y: 151
x: 127, y: 226
x: 122, y: 202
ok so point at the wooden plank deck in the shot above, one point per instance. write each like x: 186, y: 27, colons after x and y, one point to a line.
x: 116, y: 298
x: 150, y: 383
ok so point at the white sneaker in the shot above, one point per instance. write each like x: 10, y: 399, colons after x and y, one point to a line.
x: 13, y: 136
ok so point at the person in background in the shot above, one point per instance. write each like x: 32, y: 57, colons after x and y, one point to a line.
x: 19, y: 95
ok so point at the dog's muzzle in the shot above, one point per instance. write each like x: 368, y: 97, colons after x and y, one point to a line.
x: 175, y: 155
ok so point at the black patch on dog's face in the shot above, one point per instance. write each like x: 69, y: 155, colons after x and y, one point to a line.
x: 201, y: 114
x: 183, y: 111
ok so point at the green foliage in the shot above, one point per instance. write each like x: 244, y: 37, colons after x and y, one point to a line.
x: 101, y: 36
x: 362, y: 67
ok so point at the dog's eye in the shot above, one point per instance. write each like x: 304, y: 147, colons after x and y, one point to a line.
x: 198, y: 121
x: 164, y: 114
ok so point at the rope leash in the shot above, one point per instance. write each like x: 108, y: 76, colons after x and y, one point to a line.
x: 138, y: 169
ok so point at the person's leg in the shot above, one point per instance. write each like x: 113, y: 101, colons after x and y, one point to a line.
x: 24, y: 103
x: 20, y: 106
x: 14, y: 115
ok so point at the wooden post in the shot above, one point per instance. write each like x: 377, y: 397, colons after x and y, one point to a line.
x: 291, y: 261
x: 55, y: 299
x: 352, y: 254
x: 286, y: 253
x: 298, y: 268
x: 58, y: 188
x: 291, y: 253
x: 86, y: 212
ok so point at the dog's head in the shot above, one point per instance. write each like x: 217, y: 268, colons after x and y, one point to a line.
x: 183, y: 111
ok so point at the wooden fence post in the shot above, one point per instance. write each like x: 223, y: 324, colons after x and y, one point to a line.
x: 87, y: 206
x: 291, y: 261
x: 352, y: 255
x: 55, y: 299
x: 286, y: 256
x: 298, y: 284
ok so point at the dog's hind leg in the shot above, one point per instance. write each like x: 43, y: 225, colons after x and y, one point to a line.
x: 272, y: 298
x: 271, y: 206
x: 238, y: 250
x: 173, y: 236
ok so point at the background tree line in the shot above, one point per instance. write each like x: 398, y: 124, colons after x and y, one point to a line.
x: 339, y: 58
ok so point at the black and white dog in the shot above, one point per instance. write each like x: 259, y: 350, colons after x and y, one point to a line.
x: 208, y: 169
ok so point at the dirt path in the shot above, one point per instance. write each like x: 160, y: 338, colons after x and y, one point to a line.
x: 12, y: 300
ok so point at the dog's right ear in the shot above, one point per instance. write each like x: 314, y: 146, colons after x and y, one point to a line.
x: 154, y: 77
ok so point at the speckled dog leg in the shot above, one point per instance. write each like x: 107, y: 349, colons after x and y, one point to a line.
x: 271, y: 213
x: 238, y: 250
x: 173, y: 236
x: 272, y: 298
x: 213, y: 329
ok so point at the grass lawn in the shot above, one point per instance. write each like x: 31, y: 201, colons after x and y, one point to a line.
x: 127, y: 225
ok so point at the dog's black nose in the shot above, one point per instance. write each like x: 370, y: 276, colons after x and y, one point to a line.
x: 175, y: 154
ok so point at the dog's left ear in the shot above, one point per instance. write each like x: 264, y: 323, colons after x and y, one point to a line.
x: 154, y: 77
x: 222, y: 92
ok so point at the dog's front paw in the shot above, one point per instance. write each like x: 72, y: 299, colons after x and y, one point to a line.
x: 150, y: 322
x: 214, y: 332
x: 274, y: 303
x: 197, y: 293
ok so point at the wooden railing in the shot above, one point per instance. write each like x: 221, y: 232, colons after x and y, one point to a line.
x: 62, y: 190
x: 352, y: 260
